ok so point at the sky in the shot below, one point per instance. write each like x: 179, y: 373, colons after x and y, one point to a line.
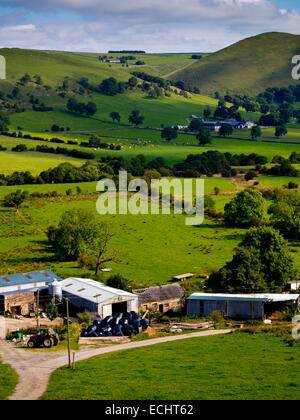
x: 150, y: 25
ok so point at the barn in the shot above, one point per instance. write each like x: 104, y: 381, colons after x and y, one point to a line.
x: 161, y: 298
x: 18, y: 291
x: 97, y: 298
x: 240, y: 306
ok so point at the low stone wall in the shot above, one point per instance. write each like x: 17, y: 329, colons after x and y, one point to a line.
x: 2, y: 328
x: 22, y: 324
x: 103, y: 340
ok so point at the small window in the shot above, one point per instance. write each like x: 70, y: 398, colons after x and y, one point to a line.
x: 81, y: 290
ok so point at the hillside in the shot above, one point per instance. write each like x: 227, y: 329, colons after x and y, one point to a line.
x: 247, y: 67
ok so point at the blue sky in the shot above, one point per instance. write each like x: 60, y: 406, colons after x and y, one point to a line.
x: 151, y: 25
x: 292, y: 4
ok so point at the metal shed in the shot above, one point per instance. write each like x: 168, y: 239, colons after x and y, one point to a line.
x: 95, y: 297
x: 242, y: 306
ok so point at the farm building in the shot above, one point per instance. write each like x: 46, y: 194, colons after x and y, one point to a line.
x: 94, y: 297
x: 161, y: 298
x: 18, y: 291
x: 294, y: 285
x: 258, y: 306
x: 183, y: 277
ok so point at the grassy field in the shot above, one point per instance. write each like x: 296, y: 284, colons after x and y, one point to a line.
x: 231, y: 367
x: 241, y: 68
x: 148, y: 246
x: 8, y: 381
x: 32, y: 161
x: 277, y: 182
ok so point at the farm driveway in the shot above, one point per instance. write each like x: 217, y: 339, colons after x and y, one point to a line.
x: 35, y: 367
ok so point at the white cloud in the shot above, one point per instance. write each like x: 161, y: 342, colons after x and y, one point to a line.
x: 22, y: 28
x: 155, y: 25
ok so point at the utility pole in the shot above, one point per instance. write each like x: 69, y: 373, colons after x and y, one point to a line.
x: 68, y: 330
x: 38, y: 309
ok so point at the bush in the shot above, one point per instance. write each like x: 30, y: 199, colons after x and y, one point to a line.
x: 84, y: 319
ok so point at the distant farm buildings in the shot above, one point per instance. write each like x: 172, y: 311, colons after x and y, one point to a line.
x: 241, y: 306
x: 161, y: 298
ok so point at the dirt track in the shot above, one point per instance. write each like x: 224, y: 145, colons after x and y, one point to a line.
x: 35, y: 367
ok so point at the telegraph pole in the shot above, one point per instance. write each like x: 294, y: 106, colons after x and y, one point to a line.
x: 68, y: 330
x: 37, y: 309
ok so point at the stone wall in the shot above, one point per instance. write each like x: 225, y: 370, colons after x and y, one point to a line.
x: 2, y: 328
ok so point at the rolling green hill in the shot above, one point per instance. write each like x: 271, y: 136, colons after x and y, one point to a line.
x: 247, y: 67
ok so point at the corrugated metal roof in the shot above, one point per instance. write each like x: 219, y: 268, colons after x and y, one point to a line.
x: 267, y: 297
x: 19, y: 292
x: 160, y: 293
x: 28, y: 278
x: 92, y: 290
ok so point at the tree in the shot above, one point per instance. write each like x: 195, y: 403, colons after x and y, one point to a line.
x: 245, y: 208
x: 285, y: 214
x: 256, y: 132
x: 261, y: 263
x: 135, y: 118
x: 280, y: 131
x: 204, y: 137
x: 78, y: 233
x: 15, y: 199
x: 51, y: 311
x: 101, y: 249
x: 207, y: 112
x: 91, y: 108
x: 115, y: 116
x: 226, y: 130
x: 109, y: 87
x: 196, y: 124
x: 4, y: 122
x: 118, y: 282
x: 169, y: 133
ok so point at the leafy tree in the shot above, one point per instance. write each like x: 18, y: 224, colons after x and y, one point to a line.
x: 109, y: 87
x: 285, y: 214
x: 169, y: 133
x: 204, y: 137
x: 4, y: 122
x: 51, y: 311
x: 281, y: 131
x: 245, y: 208
x: 135, y: 118
x: 115, y: 116
x: 196, y: 124
x: 132, y: 82
x: 15, y: 199
x: 261, y: 263
x: 118, y: 282
x: 256, y: 132
x: 226, y: 130
x: 91, y: 108
x: 79, y: 232
x: 207, y: 112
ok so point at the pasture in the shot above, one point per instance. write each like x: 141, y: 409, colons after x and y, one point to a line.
x: 8, y: 381
x: 230, y: 367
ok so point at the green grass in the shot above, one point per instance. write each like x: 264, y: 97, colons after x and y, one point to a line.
x: 8, y: 381
x: 277, y: 181
x: 247, y: 67
x: 231, y: 367
x: 33, y: 162
x: 151, y: 248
